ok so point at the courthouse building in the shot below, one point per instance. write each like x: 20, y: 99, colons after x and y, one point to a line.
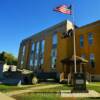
x: 46, y: 50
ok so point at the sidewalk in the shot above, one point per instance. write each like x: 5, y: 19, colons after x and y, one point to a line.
x: 5, y: 97
x: 91, y: 93
x: 31, y: 89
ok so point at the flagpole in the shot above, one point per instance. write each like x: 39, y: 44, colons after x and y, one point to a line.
x: 62, y: 9
x: 74, y: 39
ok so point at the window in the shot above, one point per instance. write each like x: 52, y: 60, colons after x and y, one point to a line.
x: 54, y: 51
x: 90, y: 38
x: 23, y: 53
x: 32, y: 55
x: 42, y: 44
x: 92, y: 60
x: 37, y: 54
x: 55, y: 39
x: 54, y: 57
x: 83, y: 56
x: 81, y: 41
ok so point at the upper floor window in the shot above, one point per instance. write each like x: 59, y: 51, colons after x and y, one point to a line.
x: 42, y: 44
x: 54, y: 51
x: 54, y: 41
x: 23, y: 50
x: 37, y: 48
x: 90, y: 38
x: 23, y: 53
x: 37, y: 54
x: 81, y: 41
x: 32, y: 54
x: 92, y: 60
x: 33, y: 46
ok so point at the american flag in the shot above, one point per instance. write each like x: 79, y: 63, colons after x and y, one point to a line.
x: 64, y: 9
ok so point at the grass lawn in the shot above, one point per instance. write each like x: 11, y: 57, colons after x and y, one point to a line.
x: 49, y: 97
x: 8, y: 88
x: 44, y: 94
x: 55, y: 89
x: 38, y: 97
x: 47, y: 94
x: 94, y: 86
x: 53, y: 93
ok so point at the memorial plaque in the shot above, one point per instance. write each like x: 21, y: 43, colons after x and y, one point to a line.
x: 79, y: 82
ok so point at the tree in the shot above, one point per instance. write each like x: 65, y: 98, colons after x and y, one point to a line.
x: 8, y: 58
x: 2, y: 57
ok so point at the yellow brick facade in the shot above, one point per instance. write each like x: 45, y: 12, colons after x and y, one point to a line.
x: 65, y: 46
x: 87, y: 49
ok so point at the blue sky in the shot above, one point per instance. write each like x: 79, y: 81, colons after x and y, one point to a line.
x: 21, y: 18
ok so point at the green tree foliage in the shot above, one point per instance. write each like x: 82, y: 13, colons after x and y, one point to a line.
x: 8, y: 58
x: 2, y: 57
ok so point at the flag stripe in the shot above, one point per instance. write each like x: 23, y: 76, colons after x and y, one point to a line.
x: 63, y: 9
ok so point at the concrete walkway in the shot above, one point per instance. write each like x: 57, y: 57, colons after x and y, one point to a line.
x: 5, y: 97
x: 31, y: 89
x: 91, y: 93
